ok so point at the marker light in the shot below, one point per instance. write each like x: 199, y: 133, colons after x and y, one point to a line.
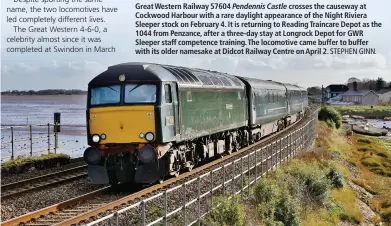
x: 96, y: 138
x: 103, y: 136
x: 149, y: 136
x: 141, y: 135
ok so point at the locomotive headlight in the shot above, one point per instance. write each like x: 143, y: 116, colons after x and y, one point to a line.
x: 149, y: 136
x: 141, y: 135
x: 95, y: 138
x: 103, y: 136
x: 147, y: 154
x: 92, y: 156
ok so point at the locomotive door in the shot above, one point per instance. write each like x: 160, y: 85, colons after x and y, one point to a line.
x: 170, y: 112
x: 175, y: 106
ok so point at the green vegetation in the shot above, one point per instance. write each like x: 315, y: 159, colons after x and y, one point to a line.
x: 45, y: 92
x: 371, y: 157
x: 21, y: 163
x: 374, y: 155
x: 314, y: 188
x: 229, y: 212
x: 330, y: 116
x: 366, y: 111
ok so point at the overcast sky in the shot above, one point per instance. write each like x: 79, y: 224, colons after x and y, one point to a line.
x: 73, y: 71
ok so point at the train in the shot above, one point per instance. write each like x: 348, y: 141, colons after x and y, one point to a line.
x: 149, y: 121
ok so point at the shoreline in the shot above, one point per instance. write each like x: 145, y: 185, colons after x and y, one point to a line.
x: 13, y: 95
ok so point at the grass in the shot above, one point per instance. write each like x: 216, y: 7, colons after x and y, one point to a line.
x: 346, y: 199
x: 377, y: 111
x: 373, y: 159
x: 374, y: 155
x: 19, y: 161
x: 303, y: 192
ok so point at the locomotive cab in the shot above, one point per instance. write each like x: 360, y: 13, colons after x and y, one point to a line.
x: 124, y: 110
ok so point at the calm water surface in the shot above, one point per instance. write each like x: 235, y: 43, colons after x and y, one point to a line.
x: 26, y: 110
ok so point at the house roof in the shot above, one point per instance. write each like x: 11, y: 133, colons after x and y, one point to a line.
x: 338, y: 88
x: 383, y: 91
x: 357, y: 93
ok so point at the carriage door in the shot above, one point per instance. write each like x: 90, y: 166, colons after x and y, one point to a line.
x: 254, y: 110
x: 288, y: 100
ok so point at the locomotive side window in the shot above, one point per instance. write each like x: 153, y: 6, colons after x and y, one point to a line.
x: 167, y: 93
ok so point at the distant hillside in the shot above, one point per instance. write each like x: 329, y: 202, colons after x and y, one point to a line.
x: 45, y: 92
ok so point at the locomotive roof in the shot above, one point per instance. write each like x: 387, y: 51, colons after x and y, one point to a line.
x: 184, y: 76
x: 262, y: 84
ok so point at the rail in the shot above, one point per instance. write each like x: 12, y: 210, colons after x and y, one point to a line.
x: 282, y: 151
x: 24, y: 140
x: 20, y: 187
x: 218, y: 177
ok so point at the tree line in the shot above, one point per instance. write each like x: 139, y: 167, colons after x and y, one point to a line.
x: 45, y: 92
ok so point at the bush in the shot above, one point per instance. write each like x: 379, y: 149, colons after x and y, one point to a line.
x: 266, y: 191
x: 266, y: 194
x: 288, y: 211
x: 276, y: 205
x: 330, y: 116
x: 336, y: 178
x: 229, y: 212
x: 315, y: 185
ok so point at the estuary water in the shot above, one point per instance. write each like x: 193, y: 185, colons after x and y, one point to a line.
x: 33, y: 110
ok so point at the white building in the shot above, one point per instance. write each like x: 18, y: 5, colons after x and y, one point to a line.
x: 385, y: 96
x: 361, y: 97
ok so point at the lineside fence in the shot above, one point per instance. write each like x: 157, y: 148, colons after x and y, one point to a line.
x: 189, y: 202
x: 31, y: 140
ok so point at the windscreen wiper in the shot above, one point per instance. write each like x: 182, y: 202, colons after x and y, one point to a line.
x: 138, y: 85
x: 112, y: 89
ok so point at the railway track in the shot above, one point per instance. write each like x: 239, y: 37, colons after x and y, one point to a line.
x: 20, y: 187
x: 100, y: 202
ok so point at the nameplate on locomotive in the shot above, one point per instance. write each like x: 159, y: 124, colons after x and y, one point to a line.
x: 229, y: 106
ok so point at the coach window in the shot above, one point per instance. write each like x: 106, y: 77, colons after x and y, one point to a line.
x: 167, y: 93
x: 189, y: 99
x: 273, y: 97
x: 268, y: 97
